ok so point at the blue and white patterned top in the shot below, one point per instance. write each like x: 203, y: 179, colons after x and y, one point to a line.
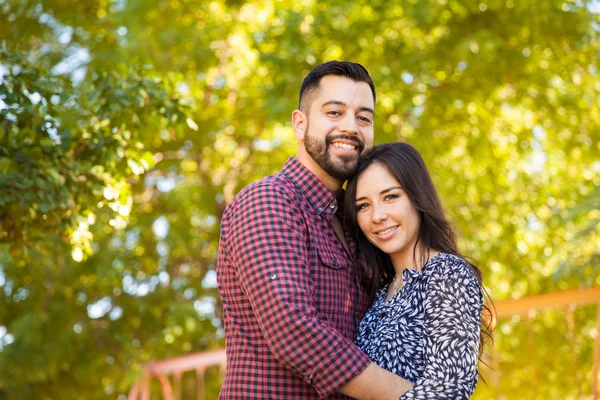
x: 428, y: 333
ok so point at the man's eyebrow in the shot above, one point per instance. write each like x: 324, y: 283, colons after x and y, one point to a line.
x: 334, y: 102
x: 384, y: 191
x: 367, y: 109
x: 341, y: 103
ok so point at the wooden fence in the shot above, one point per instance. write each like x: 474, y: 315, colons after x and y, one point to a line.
x: 172, y: 369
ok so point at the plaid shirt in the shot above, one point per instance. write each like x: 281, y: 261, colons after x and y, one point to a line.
x: 291, y: 291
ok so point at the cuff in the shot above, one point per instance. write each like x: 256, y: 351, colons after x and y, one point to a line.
x: 338, y: 369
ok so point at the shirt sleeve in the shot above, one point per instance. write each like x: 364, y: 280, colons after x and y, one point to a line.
x: 453, y: 305
x: 268, y: 247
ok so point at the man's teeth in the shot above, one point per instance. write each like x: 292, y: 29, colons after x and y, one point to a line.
x: 387, y: 230
x: 345, y: 146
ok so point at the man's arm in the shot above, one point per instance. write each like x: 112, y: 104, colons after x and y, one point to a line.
x: 267, y: 245
x: 376, y: 383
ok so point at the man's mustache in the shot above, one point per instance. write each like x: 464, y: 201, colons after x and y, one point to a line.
x: 359, y: 144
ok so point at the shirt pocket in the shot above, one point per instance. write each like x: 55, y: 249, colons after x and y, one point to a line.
x: 330, y: 258
x: 332, y: 279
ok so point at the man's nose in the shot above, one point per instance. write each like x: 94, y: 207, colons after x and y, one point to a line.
x: 349, y: 124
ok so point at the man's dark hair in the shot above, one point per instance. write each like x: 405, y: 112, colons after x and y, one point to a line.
x: 350, y: 70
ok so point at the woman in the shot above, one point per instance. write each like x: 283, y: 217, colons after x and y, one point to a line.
x: 425, y: 321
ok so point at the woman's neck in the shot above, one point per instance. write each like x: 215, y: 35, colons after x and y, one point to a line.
x: 411, y: 259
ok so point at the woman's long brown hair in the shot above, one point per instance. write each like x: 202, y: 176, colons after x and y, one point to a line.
x: 406, y: 165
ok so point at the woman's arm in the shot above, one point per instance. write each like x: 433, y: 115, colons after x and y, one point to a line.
x: 453, y: 303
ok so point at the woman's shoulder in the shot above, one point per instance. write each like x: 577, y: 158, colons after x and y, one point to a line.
x: 453, y: 280
x: 451, y: 268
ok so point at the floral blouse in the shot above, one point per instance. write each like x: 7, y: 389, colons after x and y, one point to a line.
x: 428, y: 333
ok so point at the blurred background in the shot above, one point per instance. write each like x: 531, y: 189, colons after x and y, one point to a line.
x: 126, y: 126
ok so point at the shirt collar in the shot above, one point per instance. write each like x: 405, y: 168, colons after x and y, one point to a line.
x: 409, y: 275
x: 315, y: 191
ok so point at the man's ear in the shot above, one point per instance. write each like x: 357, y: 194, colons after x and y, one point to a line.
x: 300, y: 123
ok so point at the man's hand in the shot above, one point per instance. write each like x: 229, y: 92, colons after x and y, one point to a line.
x: 376, y: 383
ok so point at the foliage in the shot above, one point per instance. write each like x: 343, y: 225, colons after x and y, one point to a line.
x: 127, y: 126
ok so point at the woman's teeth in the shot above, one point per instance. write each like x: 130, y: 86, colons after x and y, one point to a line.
x: 387, y: 230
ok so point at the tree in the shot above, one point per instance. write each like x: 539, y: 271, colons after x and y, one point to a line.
x: 128, y: 126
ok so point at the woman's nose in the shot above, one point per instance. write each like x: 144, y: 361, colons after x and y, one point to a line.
x: 379, y: 214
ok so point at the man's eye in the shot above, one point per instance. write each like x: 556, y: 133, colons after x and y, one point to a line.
x: 365, y: 119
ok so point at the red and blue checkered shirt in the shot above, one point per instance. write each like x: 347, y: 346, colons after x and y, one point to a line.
x: 291, y: 291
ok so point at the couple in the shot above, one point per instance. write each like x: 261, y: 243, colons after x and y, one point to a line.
x: 329, y: 294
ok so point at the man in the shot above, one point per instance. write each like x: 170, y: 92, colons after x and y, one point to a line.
x: 286, y: 270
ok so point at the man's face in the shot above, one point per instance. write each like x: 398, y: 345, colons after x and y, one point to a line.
x: 340, y: 125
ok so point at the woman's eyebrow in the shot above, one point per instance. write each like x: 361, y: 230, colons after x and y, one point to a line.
x: 384, y: 191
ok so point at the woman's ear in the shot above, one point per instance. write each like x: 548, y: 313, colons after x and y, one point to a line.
x: 299, y: 123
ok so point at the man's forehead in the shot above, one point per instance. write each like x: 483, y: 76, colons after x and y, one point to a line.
x: 344, y: 90
x: 332, y: 82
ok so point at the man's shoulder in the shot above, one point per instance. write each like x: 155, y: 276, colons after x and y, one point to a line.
x: 272, y: 186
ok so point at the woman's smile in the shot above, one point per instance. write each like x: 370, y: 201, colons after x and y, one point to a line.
x: 386, y: 233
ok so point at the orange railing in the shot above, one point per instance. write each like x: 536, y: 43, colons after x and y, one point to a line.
x: 569, y: 299
x: 199, y: 362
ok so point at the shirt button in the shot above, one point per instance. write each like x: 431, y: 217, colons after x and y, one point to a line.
x: 332, y: 205
x: 319, y: 209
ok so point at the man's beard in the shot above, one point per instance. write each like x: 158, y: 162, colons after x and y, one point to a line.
x: 339, y: 167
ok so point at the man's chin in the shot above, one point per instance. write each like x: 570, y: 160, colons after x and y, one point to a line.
x: 343, y: 170
x: 346, y: 162
x: 347, y: 159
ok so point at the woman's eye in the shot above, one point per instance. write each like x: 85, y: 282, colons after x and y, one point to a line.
x: 361, y: 207
x: 390, y: 197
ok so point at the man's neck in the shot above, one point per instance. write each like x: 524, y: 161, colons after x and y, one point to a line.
x: 334, y: 185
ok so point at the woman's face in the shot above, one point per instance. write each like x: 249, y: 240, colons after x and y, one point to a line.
x: 384, y: 212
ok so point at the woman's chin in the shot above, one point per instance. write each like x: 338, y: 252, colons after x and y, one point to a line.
x: 387, y: 248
